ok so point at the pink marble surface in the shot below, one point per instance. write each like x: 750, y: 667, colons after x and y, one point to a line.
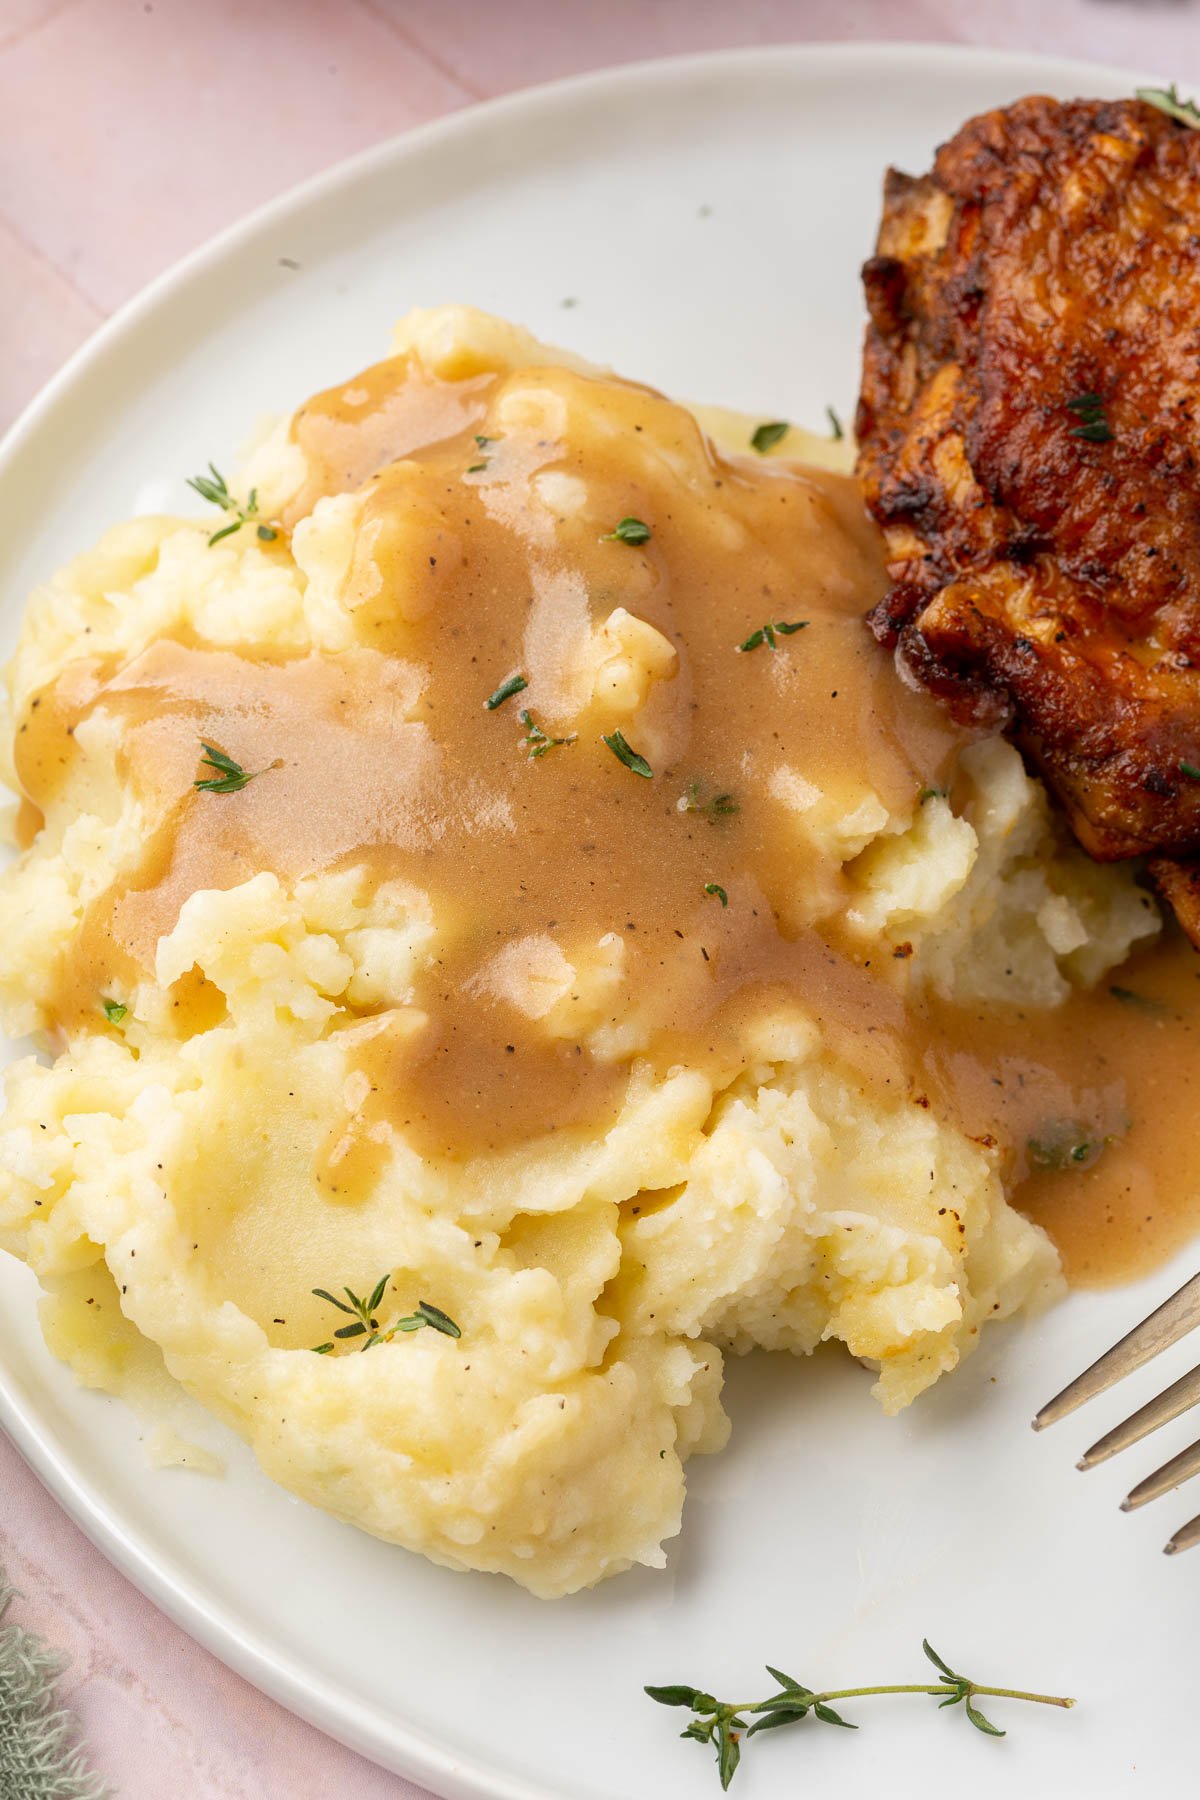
x: 132, y: 130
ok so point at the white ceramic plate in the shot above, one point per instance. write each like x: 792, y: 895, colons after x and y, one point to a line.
x: 708, y: 217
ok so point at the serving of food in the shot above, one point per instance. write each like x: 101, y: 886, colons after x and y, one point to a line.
x: 539, y: 888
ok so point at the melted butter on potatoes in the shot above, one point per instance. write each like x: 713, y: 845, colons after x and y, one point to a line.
x: 617, y: 1070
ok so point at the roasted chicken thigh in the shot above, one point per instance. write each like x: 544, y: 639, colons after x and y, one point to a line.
x: 1029, y: 429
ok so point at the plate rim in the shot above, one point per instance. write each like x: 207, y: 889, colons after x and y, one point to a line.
x: 389, y: 1740
x: 325, y: 183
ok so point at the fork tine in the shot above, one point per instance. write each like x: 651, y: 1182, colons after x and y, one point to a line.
x: 1179, y: 1468
x: 1168, y: 1405
x: 1184, y: 1538
x: 1165, y: 1326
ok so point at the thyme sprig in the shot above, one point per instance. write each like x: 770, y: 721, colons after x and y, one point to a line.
x: 538, y: 742
x: 766, y: 633
x: 365, y: 1325
x: 214, y: 488
x: 725, y: 1724
x: 230, y: 776
x: 1167, y: 100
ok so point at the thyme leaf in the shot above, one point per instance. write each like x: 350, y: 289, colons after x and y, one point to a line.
x: 765, y: 437
x: 625, y: 754
x: 436, y: 1319
x: 1143, y: 1002
x: 714, y: 888
x: 629, y: 531
x: 1184, y: 112
x: 835, y: 425
x: 1093, y: 425
x: 114, y: 1010
x: 766, y: 634
x: 505, y: 691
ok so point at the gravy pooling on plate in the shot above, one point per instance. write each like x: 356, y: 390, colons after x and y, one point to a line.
x: 535, y: 843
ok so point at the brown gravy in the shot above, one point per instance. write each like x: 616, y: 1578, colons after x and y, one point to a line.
x: 483, y: 551
x: 1122, y: 1062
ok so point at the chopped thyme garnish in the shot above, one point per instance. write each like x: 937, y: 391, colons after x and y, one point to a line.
x: 766, y: 633
x: 505, y: 691
x: 931, y: 794
x: 1184, y: 112
x: 1191, y: 770
x: 230, y: 777
x: 629, y: 531
x: 1130, y: 997
x: 835, y: 425
x: 365, y: 1325
x: 715, y: 888
x: 1093, y: 426
x: 624, y: 754
x: 539, y: 742
x: 1064, y: 1144
x: 482, y: 443
x: 214, y: 488
x: 721, y: 806
x: 114, y: 1011
x: 765, y: 437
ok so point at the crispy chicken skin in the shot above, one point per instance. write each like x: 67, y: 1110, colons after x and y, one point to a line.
x: 1029, y: 426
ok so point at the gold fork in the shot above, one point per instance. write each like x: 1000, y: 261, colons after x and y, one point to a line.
x: 1164, y: 1327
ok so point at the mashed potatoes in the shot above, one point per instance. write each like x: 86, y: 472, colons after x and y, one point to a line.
x: 613, y: 1069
